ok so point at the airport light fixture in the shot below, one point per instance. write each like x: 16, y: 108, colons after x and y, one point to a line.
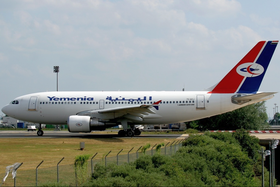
x: 264, y: 154
x: 56, y: 70
x: 273, y: 145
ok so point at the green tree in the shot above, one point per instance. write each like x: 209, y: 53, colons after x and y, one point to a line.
x: 249, y: 144
x: 251, y: 117
x: 276, y: 119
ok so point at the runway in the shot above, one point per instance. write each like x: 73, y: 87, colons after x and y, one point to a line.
x: 94, y: 134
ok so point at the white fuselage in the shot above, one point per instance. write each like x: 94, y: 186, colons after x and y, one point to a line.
x: 175, y: 106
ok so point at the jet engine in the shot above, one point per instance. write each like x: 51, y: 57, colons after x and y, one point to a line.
x: 84, y: 124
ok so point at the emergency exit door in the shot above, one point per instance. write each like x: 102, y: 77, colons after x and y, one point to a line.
x: 200, y: 102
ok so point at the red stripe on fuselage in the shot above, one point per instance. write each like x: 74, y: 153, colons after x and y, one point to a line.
x: 231, y: 82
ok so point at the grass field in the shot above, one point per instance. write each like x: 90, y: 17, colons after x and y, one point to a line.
x: 31, y: 151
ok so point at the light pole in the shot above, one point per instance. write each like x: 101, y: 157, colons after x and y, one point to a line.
x: 264, y: 154
x: 56, y: 70
x: 273, y: 144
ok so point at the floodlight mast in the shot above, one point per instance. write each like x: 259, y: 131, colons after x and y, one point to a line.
x: 56, y: 70
x: 273, y: 145
x: 264, y: 154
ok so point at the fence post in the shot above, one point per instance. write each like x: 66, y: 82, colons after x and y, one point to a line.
x: 180, y: 144
x: 152, y: 152
x: 165, y: 147
x: 106, y: 158
x: 58, y: 170
x: 171, y: 147
x: 15, y: 172
x: 176, y: 146
x: 128, y: 154
x: 92, y: 163
x: 118, y: 157
x: 37, y: 172
x: 137, y: 152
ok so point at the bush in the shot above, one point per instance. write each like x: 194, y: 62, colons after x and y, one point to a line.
x: 81, y: 166
x: 143, y: 162
x: 212, y: 159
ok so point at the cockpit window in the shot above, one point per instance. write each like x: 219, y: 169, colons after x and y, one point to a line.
x: 15, y: 102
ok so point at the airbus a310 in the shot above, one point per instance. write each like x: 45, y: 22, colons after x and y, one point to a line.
x: 87, y: 111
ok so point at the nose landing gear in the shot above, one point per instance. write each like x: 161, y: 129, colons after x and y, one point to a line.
x: 40, y: 132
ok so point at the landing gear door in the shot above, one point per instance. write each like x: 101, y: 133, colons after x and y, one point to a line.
x: 32, y: 106
x: 200, y: 102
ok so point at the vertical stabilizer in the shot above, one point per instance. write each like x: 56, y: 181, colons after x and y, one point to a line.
x: 247, y: 75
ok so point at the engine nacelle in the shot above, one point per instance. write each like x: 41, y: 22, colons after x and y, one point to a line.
x: 82, y: 123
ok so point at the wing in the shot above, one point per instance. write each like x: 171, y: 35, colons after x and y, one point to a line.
x: 261, y: 96
x: 134, y: 113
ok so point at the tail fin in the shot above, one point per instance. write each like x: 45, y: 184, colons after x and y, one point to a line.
x: 248, y: 74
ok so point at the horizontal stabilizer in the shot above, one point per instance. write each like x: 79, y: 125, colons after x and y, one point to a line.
x: 244, y: 98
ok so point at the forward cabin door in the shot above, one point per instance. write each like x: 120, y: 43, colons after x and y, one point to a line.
x: 32, y: 106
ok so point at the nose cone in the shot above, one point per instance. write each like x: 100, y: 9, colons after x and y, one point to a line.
x: 6, y: 110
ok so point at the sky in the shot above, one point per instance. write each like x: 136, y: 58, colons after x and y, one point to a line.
x: 131, y: 45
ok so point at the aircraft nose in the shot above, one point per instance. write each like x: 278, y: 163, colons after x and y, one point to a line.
x: 6, y: 109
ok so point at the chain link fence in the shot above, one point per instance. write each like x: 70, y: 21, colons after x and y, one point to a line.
x: 65, y: 174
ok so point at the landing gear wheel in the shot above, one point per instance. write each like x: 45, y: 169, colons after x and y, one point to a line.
x: 40, y: 133
x: 130, y: 133
x: 121, y: 133
x: 137, y: 132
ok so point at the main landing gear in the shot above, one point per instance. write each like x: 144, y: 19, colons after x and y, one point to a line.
x: 40, y: 132
x: 128, y: 132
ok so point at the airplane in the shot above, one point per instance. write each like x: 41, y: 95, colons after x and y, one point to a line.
x: 88, y: 111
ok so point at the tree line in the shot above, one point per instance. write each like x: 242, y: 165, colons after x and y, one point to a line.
x: 251, y: 117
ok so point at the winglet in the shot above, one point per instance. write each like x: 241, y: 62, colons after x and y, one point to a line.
x: 248, y: 74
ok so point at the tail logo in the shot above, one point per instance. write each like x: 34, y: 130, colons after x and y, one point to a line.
x: 250, y: 69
